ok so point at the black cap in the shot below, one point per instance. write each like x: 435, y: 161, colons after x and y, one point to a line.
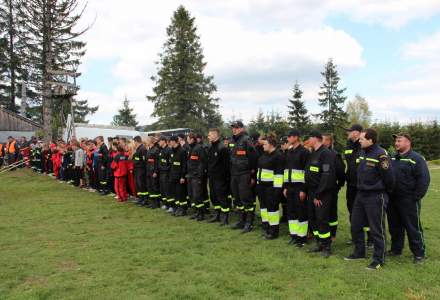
x: 405, y: 135
x: 174, y: 138
x: 294, y: 132
x: 284, y: 140
x: 315, y: 134
x: 237, y: 124
x: 355, y: 127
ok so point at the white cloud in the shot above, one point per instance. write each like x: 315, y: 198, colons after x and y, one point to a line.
x: 255, y: 49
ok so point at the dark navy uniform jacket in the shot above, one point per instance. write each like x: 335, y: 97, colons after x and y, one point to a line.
x: 412, y: 175
x: 374, y: 172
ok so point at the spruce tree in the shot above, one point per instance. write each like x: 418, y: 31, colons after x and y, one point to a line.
x: 332, y: 99
x: 297, y: 114
x: 125, y: 116
x: 183, y: 94
x: 81, y: 110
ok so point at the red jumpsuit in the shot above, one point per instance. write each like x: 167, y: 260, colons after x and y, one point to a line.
x: 130, y: 176
x: 120, y: 172
x: 56, y: 161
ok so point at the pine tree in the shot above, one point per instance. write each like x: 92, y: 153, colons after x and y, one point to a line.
x: 53, y: 45
x: 298, y: 115
x: 332, y: 99
x: 14, y: 66
x: 125, y: 116
x: 81, y: 110
x: 183, y: 94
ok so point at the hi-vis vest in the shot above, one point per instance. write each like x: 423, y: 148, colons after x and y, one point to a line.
x: 10, y: 147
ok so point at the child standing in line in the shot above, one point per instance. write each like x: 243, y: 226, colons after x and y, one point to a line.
x: 79, y: 163
x: 120, y: 172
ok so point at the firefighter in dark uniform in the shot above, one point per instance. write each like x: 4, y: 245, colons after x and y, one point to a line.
x: 152, y: 173
x: 196, y: 171
x: 164, y: 171
x: 293, y: 177
x: 351, y: 155
x: 177, y: 184
x: 218, y: 177
x: 101, y: 166
x: 199, y: 138
x: 340, y: 182
x: 139, y: 159
x: 412, y: 182
x: 243, y: 175
x: 270, y: 184
x: 375, y: 179
x: 320, y: 181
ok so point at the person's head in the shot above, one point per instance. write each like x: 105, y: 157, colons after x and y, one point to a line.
x: 315, y: 139
x: 327, y: 140
x: 120, y: 147
x: 269, y: 142
x: 354, y: 132
x: 191, y: 138
x: 123, y: 141
x: 260, y: 139
x: 402, y: 142
x: 368, y: 137
x: 182, y: 139
x: 174, y: 142
x: 226, y: 141
x: 163, y: 141
x: 213, y: 135
x: 23, y: 139
x: 115, y: 145
x: 137, y: 140
x: 10, y: 139
x: 110, y: 140
x: 293, y: 137
x: 237, y: 127
x: 99, y: 140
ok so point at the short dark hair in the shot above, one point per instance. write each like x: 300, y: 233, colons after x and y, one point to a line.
x: 100, y: 138
x: 371, y: 134
x: 181, y: 135
x: 271, y: 138
x: 216, y: 130
x: 137, y: 139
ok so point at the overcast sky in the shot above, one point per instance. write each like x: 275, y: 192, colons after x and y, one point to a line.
x: 388, y: 51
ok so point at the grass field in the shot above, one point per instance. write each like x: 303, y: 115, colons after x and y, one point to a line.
x: 58, y: 242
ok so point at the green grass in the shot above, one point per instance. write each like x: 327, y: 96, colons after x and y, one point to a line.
x: 58, y: 242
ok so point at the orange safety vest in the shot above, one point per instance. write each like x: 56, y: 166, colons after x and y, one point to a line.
x: 1, y: 150
x: 10, y: 147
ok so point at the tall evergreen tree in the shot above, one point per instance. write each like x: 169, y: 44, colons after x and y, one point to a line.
x: 81, y: 110
x: 332, y: 99
x: 54, y: 45
x: 297, y: 114
x: 125, y: 116
x: 13, y: 50
x: 183, y: 94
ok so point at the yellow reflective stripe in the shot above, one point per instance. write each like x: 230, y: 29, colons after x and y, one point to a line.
x: 409, y: 160
x: 293, y: 226
x: 298, y: 175
x: 176, y: 163
x: 286, y: 175
x: 314, y: 169
x: 274, y: 217
x: 333, y: 223
x: 163, y: 160
x: 249, y: 209
x: 200, y: 205
x: 278, y: 181
x: 263, y: 214
x: 303, y: 228
x: 324, y: 235
x: 136, y: 158
x: 366, y: 229
x: 225, y: 210
x: 217, y: 207
x: 315, y: 233
x: 350, y: 151
x: 372, y: 159
x: 266, y: 175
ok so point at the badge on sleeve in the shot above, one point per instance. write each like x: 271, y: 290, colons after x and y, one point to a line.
x: 385, y: 164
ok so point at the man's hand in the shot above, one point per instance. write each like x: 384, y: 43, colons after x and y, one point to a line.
x: 252, y: 182
x: 317, y: 202
x: 154, y: 175
x: 182, y: 180
x: 285, y: 193
x: 302, y: 196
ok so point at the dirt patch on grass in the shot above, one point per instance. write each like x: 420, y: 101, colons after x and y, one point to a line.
x: 68, y: 266
x: 36, y: 281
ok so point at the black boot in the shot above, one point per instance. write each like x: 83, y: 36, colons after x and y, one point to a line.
x: 273, y: 232
x: 293, y: 239
x: 201, y: 214
x: 301, y: 242
x: 241, y: 222
x: 316, y: 249
x: 249, y: 222
x: 215, y: 218
x: 224, y: 219
x: 265, y: 226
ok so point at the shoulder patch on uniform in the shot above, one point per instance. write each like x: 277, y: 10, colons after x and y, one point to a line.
x: 385, y: 164
x: 383, y: 156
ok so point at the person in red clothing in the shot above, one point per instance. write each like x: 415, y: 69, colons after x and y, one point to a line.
x: 56, y: 160
x: 91, y: 148
x: 130, y: 165
x: 120, y: 171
